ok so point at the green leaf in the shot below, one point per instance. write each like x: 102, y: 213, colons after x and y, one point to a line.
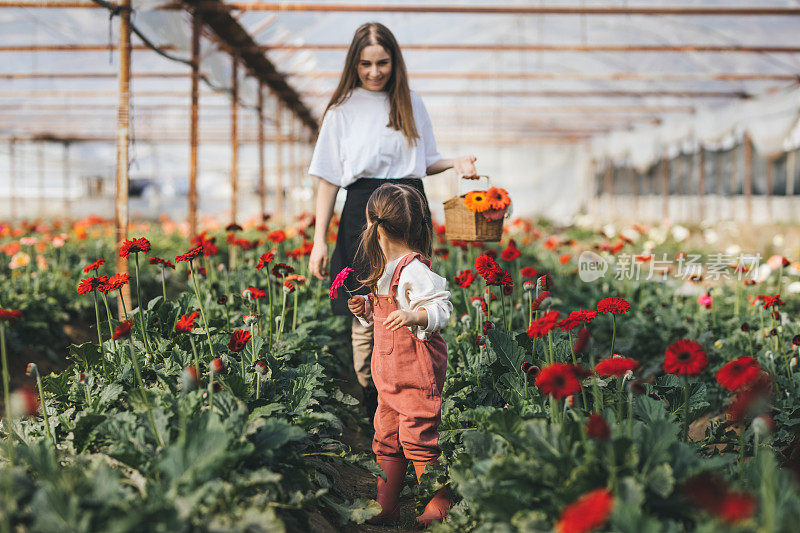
x: 87, y: 354
x: 505, y: 348
x: 660, y: 480
x: 358, y: 511
x: 275, y: 433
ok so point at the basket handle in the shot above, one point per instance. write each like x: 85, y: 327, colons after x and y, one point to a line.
x: 462, y: 179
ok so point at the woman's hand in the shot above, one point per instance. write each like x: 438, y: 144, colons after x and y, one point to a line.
x: 465, y: 166
x: 397, y: 319
x: 318, y: 261
x: 357, y: 305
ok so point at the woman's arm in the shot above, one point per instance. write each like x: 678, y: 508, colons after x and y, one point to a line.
x: 326, y: 198
x: 464, y: 166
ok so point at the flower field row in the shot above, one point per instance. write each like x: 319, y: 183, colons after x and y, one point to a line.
x: 206, y: 402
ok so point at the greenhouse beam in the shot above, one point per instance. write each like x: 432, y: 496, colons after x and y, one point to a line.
x: 279, y: 213
x: 262, y: 186
x: 234, y: 138
x: 197, y: 27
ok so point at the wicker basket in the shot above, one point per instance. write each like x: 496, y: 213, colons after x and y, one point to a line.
x: 461, y: 224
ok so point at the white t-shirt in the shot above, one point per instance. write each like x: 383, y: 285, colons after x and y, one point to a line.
x: 418, y: 288
x: 354, y: 141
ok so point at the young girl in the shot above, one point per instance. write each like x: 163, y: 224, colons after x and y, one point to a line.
x: 408, y: 305
x: 375, y: 130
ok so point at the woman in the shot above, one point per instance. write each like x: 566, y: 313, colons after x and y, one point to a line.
x: 373, y: 130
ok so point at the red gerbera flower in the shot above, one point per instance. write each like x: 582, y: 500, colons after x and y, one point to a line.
x: 558, y: 380
x: 238, y: 340
x: 576, y: 318
x: 685, y: 357
x: 771, y: 301
x: 529, y: 272
x: 255, y: 293
x: 543, y: 325
x: 738, y: 373
x: 217, y: 365
x: 485, y: 264
x: 233, y: 226
x: 95, y: 283
x: 545, y: 282
x: 465, y: 278
x: 186, y: 323
x: 510, y: 253
x: 23, y: 402
x: 583, y: 340
x: 751, y: 400
x: 736, y: 506
x: 613, y: 305
x: 713, y: 495
x: 94, y: 266
x: 459, y: 244
x: 277, y: 236
x: 10, y: 315
x: 123, y: 330
x: 265, y: 260
x: 597, y: 427
x: 589, y: 512
x: 191, y: 255
x: 541, y: 302
x: 281, y: 269
x: 615, y: 366
x: 163, y: 262
x: 118, y: 281
x: 134, y: 246
x: 530, y: 370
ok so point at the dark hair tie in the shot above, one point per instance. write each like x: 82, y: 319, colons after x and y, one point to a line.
x: 378, y: 220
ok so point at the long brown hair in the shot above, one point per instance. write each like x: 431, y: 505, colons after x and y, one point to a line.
x: 401, y: 115
x: 403, y: 214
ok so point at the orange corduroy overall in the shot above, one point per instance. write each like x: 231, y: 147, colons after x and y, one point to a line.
x: 409, y: 375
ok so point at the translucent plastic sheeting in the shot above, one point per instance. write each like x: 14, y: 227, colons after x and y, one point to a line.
x: 768, y: 121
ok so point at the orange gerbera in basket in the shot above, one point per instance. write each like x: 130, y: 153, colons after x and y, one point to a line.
x: 477, y: 201
x: 498, y: 198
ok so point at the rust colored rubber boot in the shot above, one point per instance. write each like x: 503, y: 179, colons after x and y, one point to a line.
x: 439, y: 505
x: 389, y: 490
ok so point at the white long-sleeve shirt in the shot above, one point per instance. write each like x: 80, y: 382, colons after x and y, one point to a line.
x: 418, y: 288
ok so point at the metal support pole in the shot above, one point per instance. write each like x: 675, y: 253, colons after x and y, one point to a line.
x: 770, y: 187
x: 123, y: 141
x: 234, y: 138
x: 748, y: 179
x: 262, y: 186
x: 12, y: 179
x: 197, y: 27
x: 67, y: 181
x: 41, y: 188
x: 279, y: 212
x: 701, y: 182
x: 664, y: 187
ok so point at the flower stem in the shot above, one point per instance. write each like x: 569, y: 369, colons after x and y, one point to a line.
x: 141, y: 312
x: 294, y: 310
x: 196, y: 358
x: 6, y: 377
x: 202, y: 311
x: 110, y: 329
x: 283, y: 317
x: 163, y: 284
x: 99, y: 336
x: 685, y: 435
x: 139, y: 380
x: 613, y: 334
x: 44, y: 410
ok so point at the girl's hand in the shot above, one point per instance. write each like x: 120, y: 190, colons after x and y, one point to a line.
x: 397, y: 319
x: 357, y: 305
x: 465, y: 166
x: 318, y: 261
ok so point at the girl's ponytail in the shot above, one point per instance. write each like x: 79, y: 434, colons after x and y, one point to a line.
x: 403, y: 214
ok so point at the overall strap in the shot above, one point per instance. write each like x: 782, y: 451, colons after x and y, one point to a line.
x: 401, y: 265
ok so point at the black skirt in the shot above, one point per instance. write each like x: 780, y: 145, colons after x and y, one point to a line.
x: 351, y: 226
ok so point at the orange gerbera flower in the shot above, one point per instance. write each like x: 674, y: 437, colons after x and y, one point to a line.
x: 477, y: 201
x: 498, y: 198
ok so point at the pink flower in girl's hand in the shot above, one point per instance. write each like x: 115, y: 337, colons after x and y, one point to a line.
x: 338, y: 281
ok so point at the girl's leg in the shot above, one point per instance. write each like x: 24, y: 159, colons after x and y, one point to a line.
x: 362, y: 339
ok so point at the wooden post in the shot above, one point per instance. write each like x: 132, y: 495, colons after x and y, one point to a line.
x: 748, y: 179
x: 295, y: 177
x: 12, y: 179
x: 40, y: 167
x: 635, y: 183
x: 123, y: 141
x: 234, y: 137
x: 664, y: 186
x: 701, y: 182
x: 279, y: 214
x: 197, y: 26
x: 262, y: 186
x: 790, y: 170
x: 65, y: 164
